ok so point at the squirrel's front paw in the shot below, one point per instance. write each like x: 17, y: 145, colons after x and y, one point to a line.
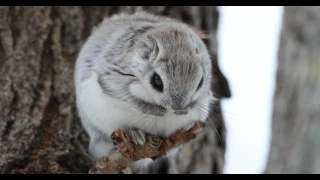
x: 137, y: 136
x: 189, y: 126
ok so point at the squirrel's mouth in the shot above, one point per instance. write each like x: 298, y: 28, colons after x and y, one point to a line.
x: 185, y: 110
x: 180, y: 111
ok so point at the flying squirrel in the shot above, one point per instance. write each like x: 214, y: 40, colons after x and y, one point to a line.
x: 141, y: 73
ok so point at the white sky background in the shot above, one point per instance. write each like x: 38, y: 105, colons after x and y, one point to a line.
x: 248, y: 40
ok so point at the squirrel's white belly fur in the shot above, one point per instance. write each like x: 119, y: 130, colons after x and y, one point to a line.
x: 107, y: 114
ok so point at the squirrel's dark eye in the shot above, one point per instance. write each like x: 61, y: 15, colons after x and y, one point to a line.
x: 156, y: 82
x: 200, y: 83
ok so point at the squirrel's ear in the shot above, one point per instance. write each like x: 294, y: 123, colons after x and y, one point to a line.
x: 155, y: 48
x: 149, y: 48
x: 201, y: 34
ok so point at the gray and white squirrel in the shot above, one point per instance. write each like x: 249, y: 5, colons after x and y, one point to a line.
x: 141, y: 73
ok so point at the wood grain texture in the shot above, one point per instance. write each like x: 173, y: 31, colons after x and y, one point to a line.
x: 295, y: 146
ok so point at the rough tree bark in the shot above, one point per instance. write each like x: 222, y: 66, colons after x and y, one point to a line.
x: 39, y: 128
x: 295, y: 146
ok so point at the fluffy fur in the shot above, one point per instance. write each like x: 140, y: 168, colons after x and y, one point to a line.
x: 112, y: 79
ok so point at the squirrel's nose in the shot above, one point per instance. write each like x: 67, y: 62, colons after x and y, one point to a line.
x: 179, y: 110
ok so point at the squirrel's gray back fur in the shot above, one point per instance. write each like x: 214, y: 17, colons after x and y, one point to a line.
x: 108, y: 34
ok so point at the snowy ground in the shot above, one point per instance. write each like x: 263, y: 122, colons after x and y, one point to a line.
x: 248, y: 42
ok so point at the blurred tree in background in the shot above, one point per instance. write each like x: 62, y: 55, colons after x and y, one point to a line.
x: 295, y: 146
x: 39, y: 128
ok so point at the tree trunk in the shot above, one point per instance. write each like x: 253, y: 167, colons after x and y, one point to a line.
x: 295, y: 146
x: 39, y: 128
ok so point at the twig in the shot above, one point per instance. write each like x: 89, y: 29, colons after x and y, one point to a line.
x: 127, y: 152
